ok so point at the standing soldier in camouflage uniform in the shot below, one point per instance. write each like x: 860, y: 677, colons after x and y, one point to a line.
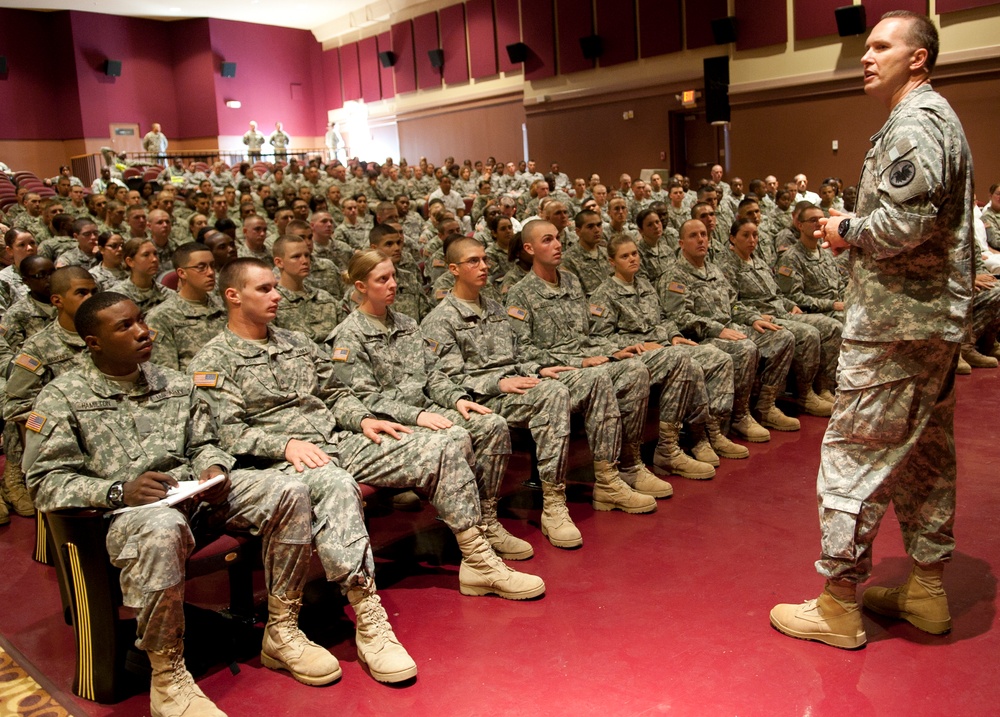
x: 279, y: 141
x: 697, y: 297
x: 164, y: 436
x: 254, y: 140
x: 696, y: 381
x: 808, y: 274
x: 189, y: 319
x: 890, y: 439
x: 817, y: 337
x: 391, y: 370
x: 550, y: 318
x: 45, y: 354
x: 279, y: 404
x: 302, y: 308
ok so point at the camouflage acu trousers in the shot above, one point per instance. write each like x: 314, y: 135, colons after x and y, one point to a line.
x: 152, y: 545
x: 545, y: 410
x: 986, y: 315
x: 817, y: 347
x: 491, y: 444
x: 745, y: 357
x: 890, y: 439
x: 630, y: 388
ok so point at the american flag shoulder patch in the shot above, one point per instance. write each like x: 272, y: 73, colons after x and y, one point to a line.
x: 676, y: 287
x: 206, y: 379
x: 785, y: 270
x: 517, y: 312
x: 438, y: 263
x: 596, y: 310
x: 27, y: 361
x: 432, y: 345
x: 340, y: 354
x: 153, y: 333
x: 35, y: 422
x: 440, y: 294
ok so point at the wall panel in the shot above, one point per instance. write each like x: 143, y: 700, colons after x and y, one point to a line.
x: 761, y: 23
x: 331, y: 76
x: 815, y: 18
x: 385, y: 73
x: 698, y: 16
x: 425, y: 37
x: 955, y: 5
x: 456, y: 55
x: 482, y: 38
x: 472, y: 133
x: 660, y: 28
x: 350, y: 72
x: 616, y: 26
x: 508, y: 23
x: 371, y: 89
x: 540, y: 37
x: 874, y: 9
x: 573, y: 21
x: 405, y: 71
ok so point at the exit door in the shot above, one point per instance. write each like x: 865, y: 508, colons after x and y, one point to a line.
x: 695, y: 145
x: 125, y: 137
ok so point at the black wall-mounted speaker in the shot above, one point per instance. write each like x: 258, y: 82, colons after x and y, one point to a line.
x: 113, y: 68
x: 436, y: 57
x: 388, y: 59
x: 717, y: 89
x: 3, y: 64
x: 517, y: 52
x: 592, y: 46
x: 851, y: 20
x: 229, y: 69
x: 724, y: 30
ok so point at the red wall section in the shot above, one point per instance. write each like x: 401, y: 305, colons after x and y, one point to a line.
x: 508, y: 16
x: 573, y: 21
x: 425, y: 37
x: 814, y: 18
x: 874, y: 9
x: 456, y: 56
x: 331, y: 78
x: 616, y: 26
x: 405, y: 70
x: 760, y: 23
x: 482, y: 38
x: 194, y: 79
x: 371, y: 90
x: 385, y: 73
x: 38, y: 95
x: 698, y: 20
x: 539, y: 36
x: 350, y: 73
x: 145, y: 91
x: 660, y: 28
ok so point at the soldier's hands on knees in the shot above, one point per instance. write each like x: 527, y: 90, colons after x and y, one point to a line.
x: 594, y: 361
x: 761, y: 326
x: 681, y: 341
x: 467, y: 408
x: 302, y: 455
x: 373, y: 428
x: 554, y: 371
x: 149, y: 487
x: 517, y: 384
x: 433, y: 421
x: 218, y: 493
x: 626, y: 353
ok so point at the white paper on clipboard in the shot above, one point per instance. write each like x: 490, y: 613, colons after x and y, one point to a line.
x: 184, y: 490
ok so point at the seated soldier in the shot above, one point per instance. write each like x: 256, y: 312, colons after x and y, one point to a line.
x: 410, y: 297
x: 85, y: 234
x: 165, y: 436
x: 584, y: 259
x: 110, y: 270
x: 18, y: 245
x: 657, y: 252
x: 699, y: 299
x: 143, y: 264
x: 279, y: 404
x: 391, y: 371
x: 550, y: 318
x: 302, y: 308
x: 696, y: 381
x: 324, y: 273
x: 982, y: 351
x: 188, y: 319
x: 808, y: 274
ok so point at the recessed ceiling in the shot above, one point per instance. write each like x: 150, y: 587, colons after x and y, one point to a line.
x: 326, y: 18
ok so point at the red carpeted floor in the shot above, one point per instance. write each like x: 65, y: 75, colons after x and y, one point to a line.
x: 656, y: 614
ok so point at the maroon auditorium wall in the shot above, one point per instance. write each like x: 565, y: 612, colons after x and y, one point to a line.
x: 194, y: 69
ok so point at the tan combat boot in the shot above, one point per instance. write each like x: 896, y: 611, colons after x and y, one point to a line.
x: 827, y: 395
x: 172, y: 690
x: 748, y: 429
x: 962, y: 368
x: 611, y: 493
x: 557, y: 525
x: 975, y: 359
x: 407, y: 501
x: 16, y: 490
x: 832, y: 618
x: 285, y: 647
x: 482, y: 572
x: 770, y: 415
x: 702, y: 449
x: 387, y: 660
x: 921, y: 600
x: 814, y: 405
x: 506, y: 545
x: 669, y: 459
x: 721, y: 445
x: 4, y: 510
x: 634, y: 473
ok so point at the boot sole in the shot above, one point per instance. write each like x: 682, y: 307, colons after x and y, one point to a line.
x: 562, y: 543
x: 275, y: 664
x: 789, y: 429
x: 607, y: 507
x: 523, y: 555
x: 932, y: 627
x: 483, y: 590
x: 664, y: 472
x: 749, y: 439
x: 389, y: 677
x: 735, y: 456
x: 843, y: 642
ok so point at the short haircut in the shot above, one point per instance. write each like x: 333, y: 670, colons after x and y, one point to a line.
x: 695, y: 210
x: 746, y: 203
x: 234, y: 274
x: 224, y: 225
x: 86, y: 320
x: 79, y: 224
x: 921, y: 34
x: 450, y: 240
x: 63, y: 278
x: 802, y: 207
x: 135, y: 209
x: 617, y: 241
x: 64, y: 223
x: 376, y: 235
x: 297, y: 224
x: 584, y: 216
x: 278, y: 249
x: 183, y: 253
x: 28, y: 262
x: 455, y: 247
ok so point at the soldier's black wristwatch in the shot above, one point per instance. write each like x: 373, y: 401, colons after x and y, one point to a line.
x: 116, y: 495
x: 844, y: 227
